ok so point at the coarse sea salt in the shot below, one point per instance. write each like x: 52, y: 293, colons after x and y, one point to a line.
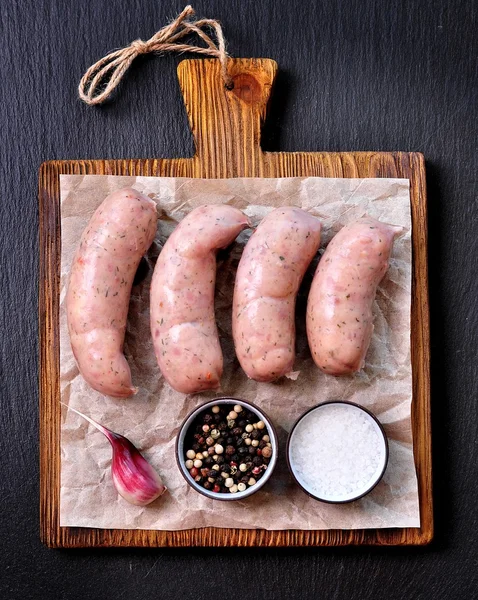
x: 337, y: 452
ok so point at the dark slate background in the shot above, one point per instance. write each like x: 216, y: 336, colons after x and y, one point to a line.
x: 354, y: 75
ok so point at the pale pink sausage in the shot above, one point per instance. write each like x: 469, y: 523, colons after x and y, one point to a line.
x: 270, y: 271
x: 183, y: 324
x: 339, y: 307
x: 118, y: 234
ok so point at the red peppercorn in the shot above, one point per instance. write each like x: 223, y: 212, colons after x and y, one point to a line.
x: 194, y: 472
x: 204, y: 472
x: 216, y: 488
x: 256, y: 470
x: 259, y: 452
x: 233, y: 463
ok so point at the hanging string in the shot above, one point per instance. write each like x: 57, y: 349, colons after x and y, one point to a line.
x: 99, y: 81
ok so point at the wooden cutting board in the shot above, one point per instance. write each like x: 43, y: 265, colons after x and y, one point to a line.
x: 226, y: 125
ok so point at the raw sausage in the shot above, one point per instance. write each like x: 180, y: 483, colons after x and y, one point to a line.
x: 119, y: 233
x: 268, y: 277
x: 339, y: 307
x: 183, y: 325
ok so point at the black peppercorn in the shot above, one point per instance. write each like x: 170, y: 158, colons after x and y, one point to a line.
x: 212, y: 473
x: 222, y: 426
x: 244, y: 479
x: 199, y: 430
x: 220, y: 460
x: 209, y: 461
x: 226, y: 468
x: 196, y: 447
x: 235, y: 458
x: 262, y: 444
x: 230, y: 440
x: 201, y: 441
x: 251, y: 450
x: 217, y: 418
x: 256, y: 434
x: 207, y: 419
x: 242, y: 423
x: 257, y: 461
x: 243, y: 450
x: 207, y: 485
x: 230, y: 450
x: 237, y: 431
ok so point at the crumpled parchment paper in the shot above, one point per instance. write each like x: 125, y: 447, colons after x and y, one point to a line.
x: 152, y: 418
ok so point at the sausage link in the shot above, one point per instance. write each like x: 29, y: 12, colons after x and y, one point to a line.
x: 118, y: 234
x: 270, y: 271
x: 183, y: 324
x: 339, y: 307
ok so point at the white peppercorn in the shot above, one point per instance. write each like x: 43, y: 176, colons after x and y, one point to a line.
x: 249, y: 428
x: 229, y: 482
x: 219, y: 449
x: 251, y: 481
x: 215, y: 409
x: 198, y: 463
x: 260, y: 425
x: 233, y: 489
x: 189, y: 464
x: 191, y: 454
x: 241, y: 487
x: 238, y: 408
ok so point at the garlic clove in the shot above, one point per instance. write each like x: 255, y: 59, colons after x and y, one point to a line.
x: 133, y: 477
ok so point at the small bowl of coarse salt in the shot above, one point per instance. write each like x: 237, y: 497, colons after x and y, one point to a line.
x: 337, y: 452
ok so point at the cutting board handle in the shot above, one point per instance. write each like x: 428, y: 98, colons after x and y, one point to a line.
x: 226, y: 123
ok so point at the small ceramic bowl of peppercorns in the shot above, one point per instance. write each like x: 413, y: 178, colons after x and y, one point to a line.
x: 226, y: 449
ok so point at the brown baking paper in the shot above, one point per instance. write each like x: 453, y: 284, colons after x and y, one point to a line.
x: 152, y: 418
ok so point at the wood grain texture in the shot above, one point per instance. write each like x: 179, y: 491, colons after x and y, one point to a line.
x: 226, y: 126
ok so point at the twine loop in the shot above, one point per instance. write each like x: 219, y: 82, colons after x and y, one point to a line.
x: 101, y: 79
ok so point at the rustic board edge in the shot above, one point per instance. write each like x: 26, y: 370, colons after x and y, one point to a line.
x: 295, y: 164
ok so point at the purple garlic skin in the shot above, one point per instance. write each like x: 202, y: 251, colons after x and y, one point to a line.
x: 134, y: 478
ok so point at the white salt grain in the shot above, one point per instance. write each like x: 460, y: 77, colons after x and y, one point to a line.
x: 337, y: 452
